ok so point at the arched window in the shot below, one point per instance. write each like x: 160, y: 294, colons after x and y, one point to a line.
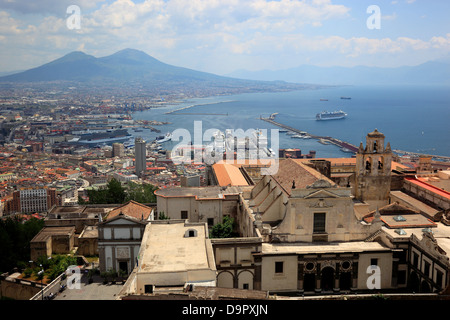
x: 327, y: 281
x: 368, y: 164
x: 190, y: 233
x: 380, y: 163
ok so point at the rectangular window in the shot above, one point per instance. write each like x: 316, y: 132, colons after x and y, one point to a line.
x: 426, y: 269
x: 439, y: 277
x: 319, y: 222
x: 245, y: 286
x: 148, y: 288
x: 401, y: 278
x: 184, y: 214
x: 415, y: 260
x: 210, y: 222
x: 373, y: 262
x: 279, y: 267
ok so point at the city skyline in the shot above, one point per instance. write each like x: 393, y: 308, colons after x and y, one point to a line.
x: 221, y: 37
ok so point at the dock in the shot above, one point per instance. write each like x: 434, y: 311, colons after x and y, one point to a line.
x: 417, y: 154
x: 345, y: 146
x: 200, y: 114
x: 199, y: 104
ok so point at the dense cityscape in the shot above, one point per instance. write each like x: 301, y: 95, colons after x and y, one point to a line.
x: 91, y: 208
x: 61, y: 150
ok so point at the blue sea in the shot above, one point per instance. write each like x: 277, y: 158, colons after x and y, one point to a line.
x: 412, y: 118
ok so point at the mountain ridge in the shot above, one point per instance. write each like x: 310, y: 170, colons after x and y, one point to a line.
x: 124, y: 65
x: 430, y: 72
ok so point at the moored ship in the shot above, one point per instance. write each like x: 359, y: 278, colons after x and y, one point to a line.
x: 105, y: 137
x: 326, y: 115
x: 162, y: 139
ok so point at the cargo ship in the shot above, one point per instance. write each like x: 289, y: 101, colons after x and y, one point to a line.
x: 335, y: 115
x: 107, y: 137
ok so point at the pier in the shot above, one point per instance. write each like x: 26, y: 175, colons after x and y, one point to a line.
x: 200, y: 114
x: 417, y: 154
x: 345, y: 146
x: 199, y: 104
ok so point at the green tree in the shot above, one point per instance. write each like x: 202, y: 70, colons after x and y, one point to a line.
x: 115, y: 192
x: 15, y: 237
x: 162, y: 216
x: 224, y: 229
x: 142, y: 193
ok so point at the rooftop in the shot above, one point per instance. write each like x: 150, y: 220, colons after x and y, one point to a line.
x: 212, y: 192
x: 311, y: 248
x: 166, y: 249
x: 395, y: 215
x: 291, y: 170
x: 229, y: 175
x: 414, y: 203
x: 429, y: 187
x: 352, y: 162
x: 47, y: 232
x: 131, y: 209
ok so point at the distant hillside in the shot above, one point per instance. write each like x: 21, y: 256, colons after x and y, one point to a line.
x: 135, y: 67
x: 432, y: 72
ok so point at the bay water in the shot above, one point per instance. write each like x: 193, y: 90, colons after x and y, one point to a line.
x: 412, y: 118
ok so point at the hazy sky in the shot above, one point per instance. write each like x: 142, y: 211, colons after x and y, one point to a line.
x: 221, y: 36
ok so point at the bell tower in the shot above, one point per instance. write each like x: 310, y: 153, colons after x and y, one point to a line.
x: 373, y: 171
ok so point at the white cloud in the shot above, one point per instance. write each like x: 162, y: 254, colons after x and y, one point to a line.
x: 57, y: 7
x: 199, y: 33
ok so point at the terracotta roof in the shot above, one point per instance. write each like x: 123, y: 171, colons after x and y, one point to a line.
x: 429, y: 187
x: 229, y: 175
x: 247, y: 162
x: 290, y: 170
x: 132, y: 209
x: 352, y: 161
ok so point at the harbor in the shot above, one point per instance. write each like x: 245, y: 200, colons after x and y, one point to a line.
x: 345, y: 146
x: 176, y: 111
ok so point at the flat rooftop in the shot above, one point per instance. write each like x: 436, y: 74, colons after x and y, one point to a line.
x: 213, y: 192
x: 441, y: 233
x: 47, y: 232
x: 166, y: 249
x: 313, y: 248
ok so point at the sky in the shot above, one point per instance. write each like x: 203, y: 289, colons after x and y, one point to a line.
x: 221, y: 36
